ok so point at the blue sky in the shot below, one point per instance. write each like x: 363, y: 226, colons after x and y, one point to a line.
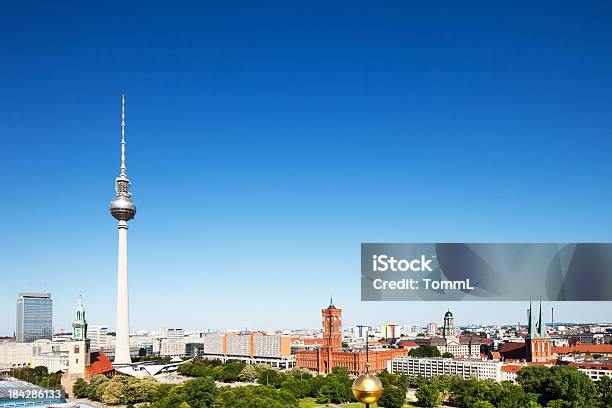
x: 267, y: 141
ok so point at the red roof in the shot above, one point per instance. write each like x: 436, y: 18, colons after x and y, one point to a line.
x: 99, y: 364
x: 476, y: 339
x: 307, y: 340
x: 511, y: 368
x: 584, y: 348
x: 407, y: 343
x: 506, y: 347
x: 596, y: 366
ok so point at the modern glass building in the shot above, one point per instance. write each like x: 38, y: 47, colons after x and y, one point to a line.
x: 34, y: 317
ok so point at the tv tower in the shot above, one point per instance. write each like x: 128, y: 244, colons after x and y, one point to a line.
x: 123, y: 209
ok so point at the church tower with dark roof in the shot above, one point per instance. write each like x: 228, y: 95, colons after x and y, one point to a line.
x: 537, y: 343
x: 79, y: 324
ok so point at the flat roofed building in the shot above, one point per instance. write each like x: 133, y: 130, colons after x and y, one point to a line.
x: 99, y: 337
x: 14, y: 355
x: 435, y: 367
x: 271, y: 346
x: 595, y: 371
x: 34, y: 317
x: 214, y: 344
x: 172, y: 348
x: 172, y: 333
x: 253, y: 348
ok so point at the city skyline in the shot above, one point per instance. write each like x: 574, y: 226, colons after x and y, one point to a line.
x: 264, y: 156
x: 464, y: 321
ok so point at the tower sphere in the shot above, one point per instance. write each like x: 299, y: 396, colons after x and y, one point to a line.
x: 122, y: 208
x: 367, y: 388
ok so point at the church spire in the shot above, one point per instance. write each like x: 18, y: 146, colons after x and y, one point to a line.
x: 79, y: 325
x: 531, y: 332
x: 541, y: 324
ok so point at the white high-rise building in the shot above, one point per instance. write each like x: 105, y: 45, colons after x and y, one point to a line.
x: 34, y: 317
x: 123, y: 209
x: 99, y: 337
x: 172, y: 333
x: 434, y: 367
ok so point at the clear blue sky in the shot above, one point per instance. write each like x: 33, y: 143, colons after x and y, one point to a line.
x: 267, y: 141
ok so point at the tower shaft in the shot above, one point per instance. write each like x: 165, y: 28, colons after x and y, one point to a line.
x: 122, y: 341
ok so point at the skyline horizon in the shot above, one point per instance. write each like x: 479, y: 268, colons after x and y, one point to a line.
x: 462, y: 322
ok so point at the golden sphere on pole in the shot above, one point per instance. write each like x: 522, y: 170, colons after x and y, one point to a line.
x: 367, y: 388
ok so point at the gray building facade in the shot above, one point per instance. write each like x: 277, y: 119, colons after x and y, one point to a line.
x: 34, y: 317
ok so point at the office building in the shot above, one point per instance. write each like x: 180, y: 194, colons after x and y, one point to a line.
x: 99, y: 337
x: 34, y: 317
x: 172, y: 333
x: 252, y: 348
x: 435, y: 367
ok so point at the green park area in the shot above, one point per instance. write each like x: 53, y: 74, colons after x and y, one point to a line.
x: 233, y: 384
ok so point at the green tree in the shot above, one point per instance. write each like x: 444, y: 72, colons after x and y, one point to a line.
x: 298, y: 388
x: 270, y: 376
x: 482, y: 404
x: 162, y: 391
x: 169, y: 396
x: 425, y: 351
x: 248, y: 374
x: 387, y: 379
x: 559, y: 383
x: 141, y: 390
x: 113, y: 393
x: 511, y: 396
x: 445, y: 384
x: 468, y: 392
x: 299, y: 373
x: 446, y: 354
x: 392, y: 397
x: 40, y: 371
x: 200, y: 392
x: 571, y: 385
x: 604, y: 387
x: 97, y: 391
x: 253, y: 397
x: 335, y: 391
x: 316, y: 383
x: 533, y: 378
x: 429, y: 396
x: 80, y: 389
x: 557, y: 404
x: 231, y: 370
x: 340, y: 371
